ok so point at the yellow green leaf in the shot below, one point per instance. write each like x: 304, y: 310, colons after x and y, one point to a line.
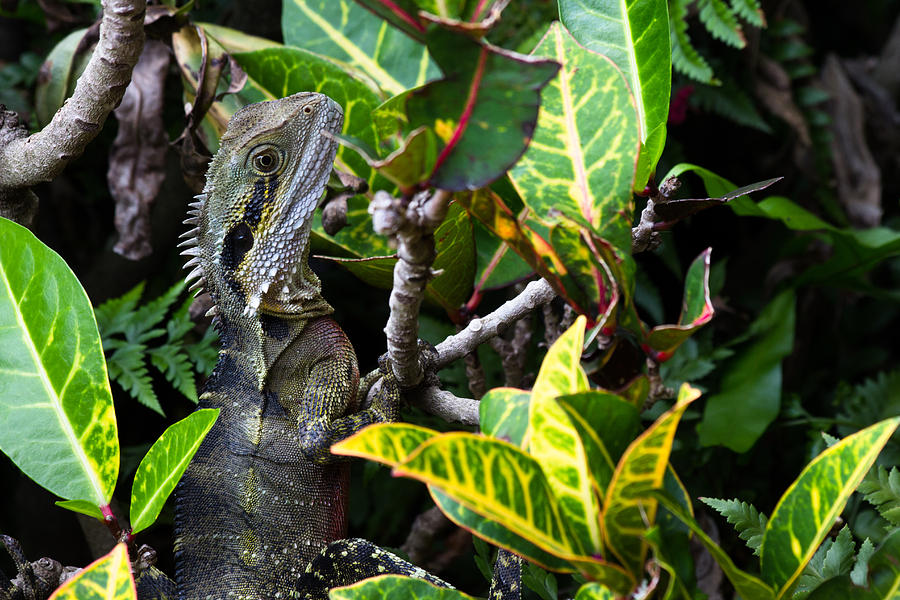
x: 561, y: 371
x: 387, y: 443
x: 496, y: 480
x: 594, y: 591
x: 165, y: 463
x: 554, y: 441
x: 581, y: 162
x: 628, y: 509
x: 395, y: 587
x: 107, y: 578
x: 57, y: 421
x: 807, y: 510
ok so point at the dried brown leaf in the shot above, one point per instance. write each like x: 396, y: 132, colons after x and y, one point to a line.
x: 138, y: 156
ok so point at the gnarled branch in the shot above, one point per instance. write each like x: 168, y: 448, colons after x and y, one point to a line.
x: 26, y: 160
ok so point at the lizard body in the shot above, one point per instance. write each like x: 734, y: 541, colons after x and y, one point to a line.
x: 260, y: 511
x: 263, y: 495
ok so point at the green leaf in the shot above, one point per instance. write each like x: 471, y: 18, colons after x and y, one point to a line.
x: 107, y: 578
x: 635, y: 36
x: 748, y: 586
x: 594, y: 591
x: 881, y: 488
x: 404, y: 14
x: 387, y: 443
x: 582, y: 159
x: 685, y: 58
x: 696, y: 310
x: 57, y: 421
x: 407, y: 166
x: 627, y: 508
x: 114, y: 315
x: 283, y: 71
x: 750, y: 11
x: 503, y: 414
x: 882, y: 582
x: 721, y: 22
x: 164, y: 465
x: 127, y: 368
x: 81, y: 506
x: 63, y: 67
x: 454, y: 246
x: 750, y: 394
x: 498, y: 481
x: 748, y: 522
x: 395, y: 587
x: 808, y: 508
x: 344, y: 30
x: 860, y: 570
x: 174, y: 364
x: 539, y: 581
x: 606, y: 424
x: 484, y: 109
x: 151, y: 314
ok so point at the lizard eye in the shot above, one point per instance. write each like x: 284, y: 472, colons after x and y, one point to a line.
x: 266, y: 160
x: 307, y: 110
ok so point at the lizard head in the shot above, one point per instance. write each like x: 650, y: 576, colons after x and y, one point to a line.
x: 249, y: 244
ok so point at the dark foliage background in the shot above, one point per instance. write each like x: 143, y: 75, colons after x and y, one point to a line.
x: 844, y: 335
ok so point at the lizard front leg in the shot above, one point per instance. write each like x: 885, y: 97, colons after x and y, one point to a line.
x: 323, y: 419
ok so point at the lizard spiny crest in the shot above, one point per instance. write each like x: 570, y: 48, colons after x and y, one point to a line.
x: 250, y: 227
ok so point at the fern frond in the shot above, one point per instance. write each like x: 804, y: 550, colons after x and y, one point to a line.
x: 203, y: 353
x: 860, y: 571
x: 833, y: 558
x: 685, y: 58
x: 881, y: 488
x: 871, y: 401
x: 114, y: 315
x: 750, y: 11
x: 721, y: 23
x: 152, y: 313
x: 126, y: 367
x: 172, y: 361
x: 747, y: 521
x: 730, y: 102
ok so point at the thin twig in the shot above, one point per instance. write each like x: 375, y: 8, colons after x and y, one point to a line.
x: 479, y: 331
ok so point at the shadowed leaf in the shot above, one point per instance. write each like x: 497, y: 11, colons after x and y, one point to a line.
x: 696, y: 311
x: 484, y: 110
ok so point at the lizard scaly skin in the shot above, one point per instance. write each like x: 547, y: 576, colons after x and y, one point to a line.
x: 260, y: 511
x: 263, y: 495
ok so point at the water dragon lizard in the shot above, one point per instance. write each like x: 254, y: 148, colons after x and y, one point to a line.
x: 260, y: 512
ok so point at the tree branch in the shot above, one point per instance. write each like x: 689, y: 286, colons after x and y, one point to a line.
x: 411, y: 226
x: 28, y: 160
x: 445, y: 405
x: 479, y: 331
